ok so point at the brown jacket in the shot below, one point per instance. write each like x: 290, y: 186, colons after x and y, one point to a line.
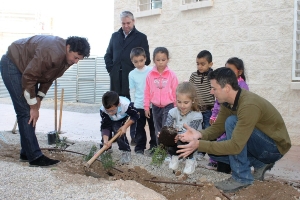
x: 41, y: 59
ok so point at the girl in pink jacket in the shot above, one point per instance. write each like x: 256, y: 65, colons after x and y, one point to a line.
x: 160, y: 90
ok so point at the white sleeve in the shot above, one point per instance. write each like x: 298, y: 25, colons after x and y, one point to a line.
x: 27, y: 97
x: 132, y: 94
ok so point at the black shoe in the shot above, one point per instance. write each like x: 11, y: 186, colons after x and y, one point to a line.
x: 223, y: 167
x: 23, y: 158
x: 43, y: 161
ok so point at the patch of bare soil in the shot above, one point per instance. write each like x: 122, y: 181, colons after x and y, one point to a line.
x: 74, y: 164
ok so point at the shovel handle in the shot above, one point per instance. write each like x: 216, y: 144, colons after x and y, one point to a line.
x: 87, y: 165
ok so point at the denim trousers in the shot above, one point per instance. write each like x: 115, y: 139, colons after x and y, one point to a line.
x: 12, y: 79
x: 160, y: 115
x: 258, y: 151
x: 140, y: 136
x: 206, y: 116
x: 122, y: 140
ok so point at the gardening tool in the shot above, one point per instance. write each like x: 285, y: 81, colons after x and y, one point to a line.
x: 60, y: 110
x: 90, y: 162
x: 15, y: 127
x: 52, y: 134
x: 55, y: 106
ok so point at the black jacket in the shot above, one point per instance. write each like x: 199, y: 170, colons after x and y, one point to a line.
x: 118, y: 57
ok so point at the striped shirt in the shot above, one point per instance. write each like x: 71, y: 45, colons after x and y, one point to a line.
x: 202, y: 85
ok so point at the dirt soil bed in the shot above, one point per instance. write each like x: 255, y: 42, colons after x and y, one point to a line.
x: 74, y: 164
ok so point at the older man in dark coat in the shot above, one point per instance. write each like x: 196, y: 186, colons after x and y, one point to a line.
x: 117, y: 57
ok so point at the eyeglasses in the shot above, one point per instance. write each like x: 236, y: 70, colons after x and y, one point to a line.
x: 111, y: 111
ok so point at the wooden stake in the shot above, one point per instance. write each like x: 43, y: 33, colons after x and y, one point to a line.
x: 15, y: 127
x: 55, y: 106
x: 60, y: 111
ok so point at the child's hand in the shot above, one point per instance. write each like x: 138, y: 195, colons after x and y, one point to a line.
x: 211, y: 121
x: 147, y: 113
x: 122, y: 129
x: 107, y: 144
x: 176, y: 138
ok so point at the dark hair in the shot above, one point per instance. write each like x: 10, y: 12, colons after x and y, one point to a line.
x: 205, y: 54
x: 239, y: 64
x: 79, y: 45
x: 190, y: 90
x: 160, y: 50
x: 138, y: 51
x: 224, y: 76
x: 110, y: 99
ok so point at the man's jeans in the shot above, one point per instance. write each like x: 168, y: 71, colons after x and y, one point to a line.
x: 12, y: 79
x: 259, y: 150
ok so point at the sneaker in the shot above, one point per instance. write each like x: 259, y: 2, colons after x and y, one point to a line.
x: 132, y: 143
x: 174, y: 163
x: 149, y: 152
x: 211, y: 166
x: 260, y: 173
x: 23, y: 158
x: 190, y: 166
x: 139, y: 152
x: 198, y: 156
x: 125, y: 157
x: 230, y: 185
x: 43, y: 161
x: 168, y: 158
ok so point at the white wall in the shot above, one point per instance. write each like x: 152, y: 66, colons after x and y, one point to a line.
x: 259, y: 32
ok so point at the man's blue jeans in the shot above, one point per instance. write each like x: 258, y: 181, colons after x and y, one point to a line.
x: 259, y: 150
x: 12, y: 79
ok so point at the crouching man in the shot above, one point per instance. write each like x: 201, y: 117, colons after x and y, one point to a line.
x: 256, y: 134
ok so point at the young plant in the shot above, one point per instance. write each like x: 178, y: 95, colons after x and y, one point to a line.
x: 159, y: 155
x: 91, y: 154
x: 107, y: 161
x: 60, y: 144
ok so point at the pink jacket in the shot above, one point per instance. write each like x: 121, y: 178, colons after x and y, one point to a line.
x: 160, y: 89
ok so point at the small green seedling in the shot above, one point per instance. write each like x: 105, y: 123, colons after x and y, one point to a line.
x: 91, y: 154
x: 159, y: 155
x: 107, y: 161
x: 60, y: 144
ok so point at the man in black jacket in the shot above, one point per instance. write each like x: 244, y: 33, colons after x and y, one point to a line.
x: 117, y: 57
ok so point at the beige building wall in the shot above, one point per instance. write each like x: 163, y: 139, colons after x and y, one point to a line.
x: 259, y: 32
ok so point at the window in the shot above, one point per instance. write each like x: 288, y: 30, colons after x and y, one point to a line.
x: 194, y: 4
x: 148, y: 8
x: 149, y: 4
x: 296, y: 43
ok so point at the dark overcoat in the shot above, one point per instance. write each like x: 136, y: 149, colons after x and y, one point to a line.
x: 117, y: 58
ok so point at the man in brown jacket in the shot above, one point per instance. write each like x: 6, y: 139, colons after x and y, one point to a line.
x: 28, y: 69
x: 256, y: 134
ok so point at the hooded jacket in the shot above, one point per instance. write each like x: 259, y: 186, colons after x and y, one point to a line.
x: 160, y: 88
